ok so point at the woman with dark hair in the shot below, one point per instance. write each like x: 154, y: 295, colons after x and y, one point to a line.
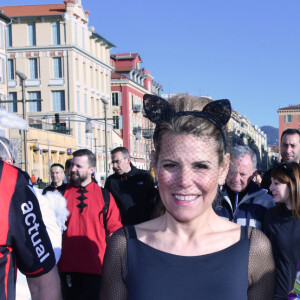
x: 188, y: 252
x: 282, y: 225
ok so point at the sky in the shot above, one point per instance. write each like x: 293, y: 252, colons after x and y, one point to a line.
x: 241, y: 50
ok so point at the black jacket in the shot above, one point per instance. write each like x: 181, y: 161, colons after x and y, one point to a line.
x: 284, y: 233
x: 134, y: 193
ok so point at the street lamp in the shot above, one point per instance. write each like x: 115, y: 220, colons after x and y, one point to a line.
x: 89, y: 129
x: 105, y: 101
x: 23, y: 77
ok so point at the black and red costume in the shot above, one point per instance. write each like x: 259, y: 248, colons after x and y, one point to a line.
x: 83, y: 244
x: 24, y: 242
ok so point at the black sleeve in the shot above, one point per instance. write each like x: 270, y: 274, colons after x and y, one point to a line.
x: 261, y: 267
x: 27, y: 233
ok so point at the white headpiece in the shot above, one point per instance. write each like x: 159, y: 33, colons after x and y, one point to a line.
x: 10, y: 120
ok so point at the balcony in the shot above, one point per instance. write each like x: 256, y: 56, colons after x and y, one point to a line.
x: 147, y: 133
x: 12, y: 83
x: 52, y: 127
x: 32, y: 82
x: 57, y: 82
x: 136, y: 108
x: 136, y: 130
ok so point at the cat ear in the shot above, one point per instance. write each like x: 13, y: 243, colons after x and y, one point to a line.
x: 157, y: 109
x: 219, y: 110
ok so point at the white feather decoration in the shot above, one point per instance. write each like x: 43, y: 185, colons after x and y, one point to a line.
x: 54, y: 212
x: 10, y: 120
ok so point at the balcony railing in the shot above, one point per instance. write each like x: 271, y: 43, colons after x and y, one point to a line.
x: 12, y: 83
x: 136, y: 130
x: 136, y: 108
x: 57, y: 82
x: 32, y: 82
x: 52, y: 127
x: 147, y: 134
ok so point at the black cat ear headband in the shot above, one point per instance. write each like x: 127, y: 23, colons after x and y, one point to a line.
x: 159, y: 110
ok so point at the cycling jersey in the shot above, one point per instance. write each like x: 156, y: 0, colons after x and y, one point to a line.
x: 24, y: 242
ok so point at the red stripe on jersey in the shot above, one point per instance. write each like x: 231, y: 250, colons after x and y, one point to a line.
x: 35, y: 272
x: 7, y: 183
x: 7, y: 270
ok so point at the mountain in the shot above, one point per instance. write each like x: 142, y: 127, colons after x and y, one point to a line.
x: 272, y: 134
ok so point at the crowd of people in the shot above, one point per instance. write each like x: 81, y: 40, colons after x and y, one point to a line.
x: 209, y: 225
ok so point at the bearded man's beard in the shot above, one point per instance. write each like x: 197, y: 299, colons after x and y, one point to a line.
x: 78, y: 180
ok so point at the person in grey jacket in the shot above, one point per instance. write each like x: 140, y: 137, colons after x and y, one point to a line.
x: 241, y: 199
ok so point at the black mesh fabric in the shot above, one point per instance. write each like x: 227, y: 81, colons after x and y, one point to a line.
x: 261, y: 268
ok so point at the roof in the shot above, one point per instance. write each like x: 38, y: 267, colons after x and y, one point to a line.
x: 123, y: 68
x: 4, y: 17
x: 34, y: 10
x: 118, y: 75
x: 291, y: 107
x: 126, y: 56
x: 95, y: 34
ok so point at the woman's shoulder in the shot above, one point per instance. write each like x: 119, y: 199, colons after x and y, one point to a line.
x: 120, y: 236
x: 258, y: 239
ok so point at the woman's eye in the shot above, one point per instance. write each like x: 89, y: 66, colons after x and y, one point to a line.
x: 169, y: 166
x: 200, y: 166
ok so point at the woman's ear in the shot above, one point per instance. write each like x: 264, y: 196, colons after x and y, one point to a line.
x: 224, y: 169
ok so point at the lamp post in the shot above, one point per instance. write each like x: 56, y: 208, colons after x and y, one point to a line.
x: 105, y: 102
x: 23, y: 77
x: 89, y: 129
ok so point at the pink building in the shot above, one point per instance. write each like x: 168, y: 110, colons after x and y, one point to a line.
x: 289, y: 117
x: 129, y: 82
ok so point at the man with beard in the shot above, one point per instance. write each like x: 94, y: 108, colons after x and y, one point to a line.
x: 84, y: 241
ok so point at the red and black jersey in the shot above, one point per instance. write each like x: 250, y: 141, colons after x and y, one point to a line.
x: 24, y: 242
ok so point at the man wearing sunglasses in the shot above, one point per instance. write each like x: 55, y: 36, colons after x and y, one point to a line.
x: 132, y: 188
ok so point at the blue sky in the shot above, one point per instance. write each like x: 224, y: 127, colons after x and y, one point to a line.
x: 246, y: 51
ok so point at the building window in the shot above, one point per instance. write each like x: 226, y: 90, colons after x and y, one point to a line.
x: 33, y: 68
x: 8, y: 36
x: 10, y: 69
x: 2, y: 70
x: 12, y: 107
x: 85, y: 104
x: 83, y: 39
x: 79, y: 133
x: 55, y: 33
x: 1, y: 36
x: 78, y: 101
x: 34, y: 106
x: 117, y: 120
x: 58, y: 100
x: 288, y: 118
x: 31, y: 34
x: 116, y: 99
x: 76, y: 37
x: 57, y: 67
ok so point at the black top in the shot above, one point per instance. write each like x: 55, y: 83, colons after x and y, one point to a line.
x: 49, y: 188
x: 135, y: 270
x: 284, y: 233
x: 153, y: 274
x: 134, y: 193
